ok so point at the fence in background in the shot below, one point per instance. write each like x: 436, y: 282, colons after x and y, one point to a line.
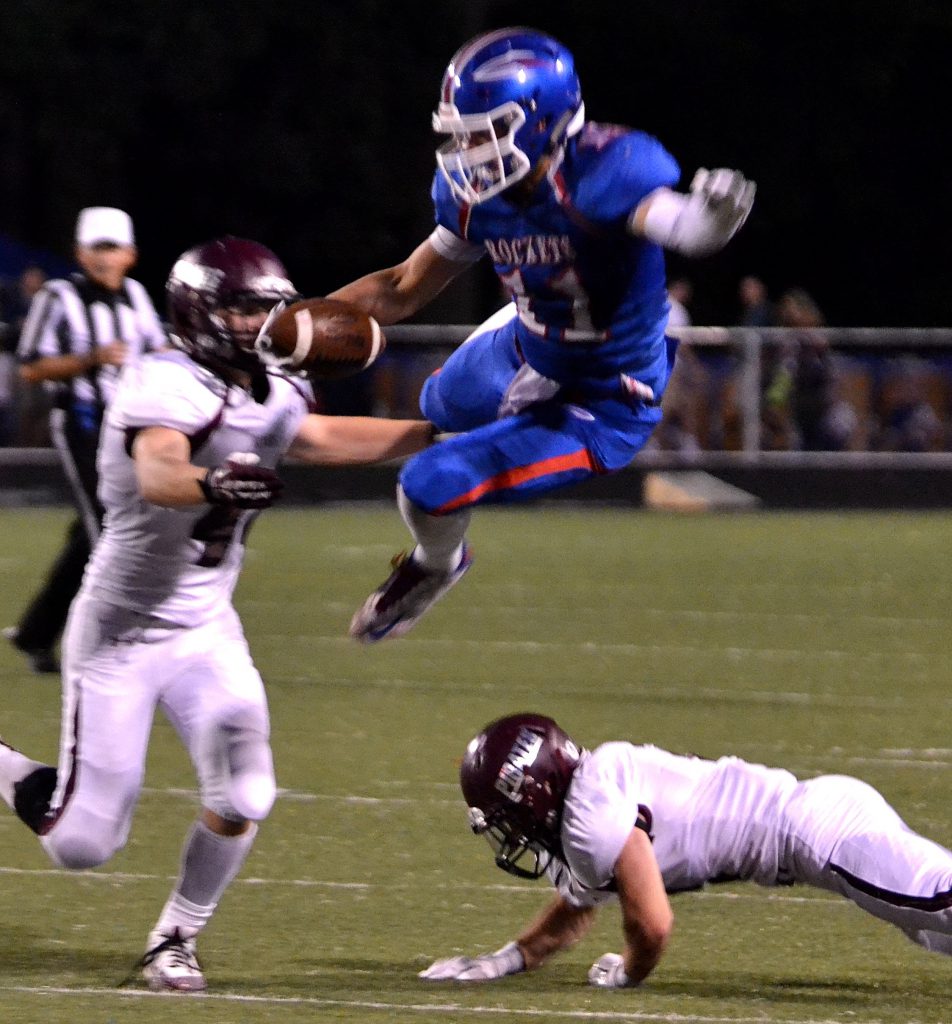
x: 851, y: 398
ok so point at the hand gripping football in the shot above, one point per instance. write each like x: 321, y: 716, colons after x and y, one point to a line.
x: 325, y: 338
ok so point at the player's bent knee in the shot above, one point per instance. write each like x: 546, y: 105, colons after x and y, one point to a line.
x: 78, y: 851
x: 455, y: 412
x: 431, y: 480
x: 431, y: 404
x: 253, y: 795
x: 248, y: 796
x: 244, y: 785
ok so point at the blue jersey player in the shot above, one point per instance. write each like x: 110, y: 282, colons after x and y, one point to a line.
x: 565, y: 381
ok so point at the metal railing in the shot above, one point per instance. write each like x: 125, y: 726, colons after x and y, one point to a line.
x: 866, y: 365
x: 870, y: 360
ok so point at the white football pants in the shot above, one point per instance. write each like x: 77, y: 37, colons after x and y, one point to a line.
x: 118, y: 667
x: 844, y: 836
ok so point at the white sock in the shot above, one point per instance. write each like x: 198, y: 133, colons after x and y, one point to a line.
x: 179, y: 914
x: 14, y: 766
x: 209, y: 863
x: 439, y: 539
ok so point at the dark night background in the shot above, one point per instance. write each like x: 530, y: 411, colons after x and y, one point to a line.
x: 306, y: 126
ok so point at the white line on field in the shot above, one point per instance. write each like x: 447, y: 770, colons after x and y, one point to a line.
x: 115, y: 877
x: 423, y: 1008
x: 129, y: 876
x: 693, y: 615
x: 628, y: 649
x: 297, y: 796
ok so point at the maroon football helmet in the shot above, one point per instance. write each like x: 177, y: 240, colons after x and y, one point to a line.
x: 227, y: 273
x: 515, y: 776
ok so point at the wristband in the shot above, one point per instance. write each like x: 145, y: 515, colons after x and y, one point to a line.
x: 511, y: 957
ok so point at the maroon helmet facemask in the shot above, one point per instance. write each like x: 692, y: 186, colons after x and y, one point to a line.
x: 227, y: 273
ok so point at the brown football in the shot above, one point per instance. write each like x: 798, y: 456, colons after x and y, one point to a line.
x: 326, y: 338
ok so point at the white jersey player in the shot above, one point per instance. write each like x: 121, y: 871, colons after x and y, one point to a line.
x: 636, y: 823
x: 187, y: 459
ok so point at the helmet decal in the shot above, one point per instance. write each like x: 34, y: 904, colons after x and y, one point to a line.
x: 515, y: 776
x: 512, y: 775
x: 507, y: 65
x: 197, y: 276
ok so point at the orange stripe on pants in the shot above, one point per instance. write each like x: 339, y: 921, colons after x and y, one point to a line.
x: 519, y: 475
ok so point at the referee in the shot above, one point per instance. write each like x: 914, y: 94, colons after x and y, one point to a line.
x: 77, y: 335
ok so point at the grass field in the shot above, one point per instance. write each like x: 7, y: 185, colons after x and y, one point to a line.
x: 819, y: 642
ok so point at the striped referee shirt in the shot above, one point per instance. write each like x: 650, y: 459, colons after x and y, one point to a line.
x: 73, y: 317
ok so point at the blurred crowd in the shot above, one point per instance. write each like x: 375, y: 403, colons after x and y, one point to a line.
x: 813, y: 397
x: 23, y: 408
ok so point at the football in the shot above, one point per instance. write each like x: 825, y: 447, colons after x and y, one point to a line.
x: 325, y: 338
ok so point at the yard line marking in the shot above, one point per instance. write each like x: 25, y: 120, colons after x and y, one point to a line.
x: 424, y: 1008
x: 131, y: 876
x: 628, y: 649
x: 647, y: 692
x: 693, y: 615
x: 298, y: 796
x: 898, y: 762
x: 315, y: 883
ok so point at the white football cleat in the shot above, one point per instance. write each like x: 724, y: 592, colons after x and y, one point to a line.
x: 170, y: 964
x: 396, y: 605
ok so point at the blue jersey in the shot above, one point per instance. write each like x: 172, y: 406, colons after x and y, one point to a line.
x: 591, y: 297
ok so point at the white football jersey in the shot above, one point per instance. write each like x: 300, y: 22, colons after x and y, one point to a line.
x: 181, y: 565
x: 708, y: 820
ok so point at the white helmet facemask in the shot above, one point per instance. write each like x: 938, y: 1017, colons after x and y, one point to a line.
x: 481, y: 158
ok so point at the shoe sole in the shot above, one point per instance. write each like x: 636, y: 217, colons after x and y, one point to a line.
x: 404, y: 623
x: 163, y: 985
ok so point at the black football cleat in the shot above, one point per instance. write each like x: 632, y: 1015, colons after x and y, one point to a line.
x: 397, y: 604
x: 42, y: 660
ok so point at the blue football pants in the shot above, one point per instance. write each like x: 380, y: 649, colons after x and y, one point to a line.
x: 547, y: 445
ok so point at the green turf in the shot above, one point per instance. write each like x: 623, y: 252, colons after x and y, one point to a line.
x: 820, y: 642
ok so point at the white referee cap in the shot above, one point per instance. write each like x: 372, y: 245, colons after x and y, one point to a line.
x: 104, y: 224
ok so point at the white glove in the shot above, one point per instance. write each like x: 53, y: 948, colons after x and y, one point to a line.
x: 728, y: 195
x: 487, y: 967
x: 704, y: 220
x: 608, y: 971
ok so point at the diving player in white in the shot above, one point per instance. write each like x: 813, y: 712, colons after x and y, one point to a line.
x: 635, y: 823
x: 186, y: 461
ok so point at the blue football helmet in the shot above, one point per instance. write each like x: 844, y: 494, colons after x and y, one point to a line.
x: 509, y: 98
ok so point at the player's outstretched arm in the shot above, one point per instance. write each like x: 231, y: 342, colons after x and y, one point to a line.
x: 165, y: 475
x: 358, y: 440
x: 700, y: 222
x: 397, y: 292
x: 647, y: 918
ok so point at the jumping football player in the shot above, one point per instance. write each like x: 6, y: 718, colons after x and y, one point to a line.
x: 187, y: 460
x: 635, y: 823
x: 566, y: 381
